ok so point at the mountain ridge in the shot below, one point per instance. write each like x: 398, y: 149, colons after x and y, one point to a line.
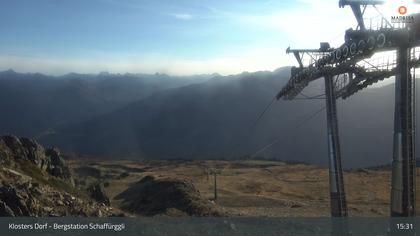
x: 213, y: 120
x: 209, y: 119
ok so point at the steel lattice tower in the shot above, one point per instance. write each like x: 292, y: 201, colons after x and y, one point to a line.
x: 346, y: 72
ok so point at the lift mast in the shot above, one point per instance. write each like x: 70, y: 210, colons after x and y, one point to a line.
x: 337, y: 193
x: 349, y: 62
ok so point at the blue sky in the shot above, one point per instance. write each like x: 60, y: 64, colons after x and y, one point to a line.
x: 174, y: 37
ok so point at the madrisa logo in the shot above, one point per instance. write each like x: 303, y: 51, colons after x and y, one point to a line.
x: 402, y: 17
x: 402, y: 10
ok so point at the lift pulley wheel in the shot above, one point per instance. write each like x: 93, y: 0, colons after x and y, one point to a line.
x: 371, y: 43
x: 338, y: 54
x: 361, y: 46
x: 345, y: 51
x: 381, y: 40
x: 353, y: 48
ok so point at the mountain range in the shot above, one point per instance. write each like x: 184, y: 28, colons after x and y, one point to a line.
x: 197, y: 117
x: 36, y: 103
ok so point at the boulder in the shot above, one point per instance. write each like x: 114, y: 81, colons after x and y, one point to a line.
x: 34, y: 152
x: 57, y: 165
x: 14, y: 201
x: 55, y: 156
x: 5, y: 210
x: 97, y: 192
x: 14, y: 146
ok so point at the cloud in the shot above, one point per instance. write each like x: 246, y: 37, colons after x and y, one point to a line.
x: 183, y: 16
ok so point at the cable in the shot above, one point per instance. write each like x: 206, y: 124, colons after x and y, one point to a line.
x: 301, y: 93
x: 262, y: 113
x: 251, y: 127
x: 295, y: 127
x: 313, y: 98
x: 306, y: 97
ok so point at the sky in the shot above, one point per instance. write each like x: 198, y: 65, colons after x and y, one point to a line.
x: 181, y: 37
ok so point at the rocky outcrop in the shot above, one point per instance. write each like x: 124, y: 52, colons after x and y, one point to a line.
x: 35, y: 182
x: 34, y: 200
x: 151, y: 196
x: 13, y: 149
x: 97, y: 192
x: 34, y: 152
x: 57, y: 165
x: 22, y: 149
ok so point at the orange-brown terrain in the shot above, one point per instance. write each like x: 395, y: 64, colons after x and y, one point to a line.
x: 247, y: 188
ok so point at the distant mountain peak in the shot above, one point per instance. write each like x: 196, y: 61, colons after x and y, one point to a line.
x: 9, y: 71
x: 104, y: 73
x: 161, y: 74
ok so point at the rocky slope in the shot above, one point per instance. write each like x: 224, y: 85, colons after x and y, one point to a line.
x: 37, y: 182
